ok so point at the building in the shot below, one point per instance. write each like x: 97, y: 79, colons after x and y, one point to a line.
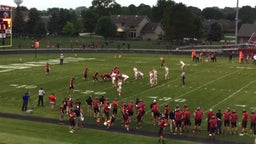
x: 138, y: 27
x: 245, y: 33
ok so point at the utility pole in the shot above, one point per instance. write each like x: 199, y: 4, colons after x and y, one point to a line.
x: 237, y: 10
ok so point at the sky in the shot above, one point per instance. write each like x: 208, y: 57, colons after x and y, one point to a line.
x: 44, y: 4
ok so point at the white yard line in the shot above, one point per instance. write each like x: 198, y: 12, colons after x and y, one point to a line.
x: 233, y: 94
x: 197, y: 88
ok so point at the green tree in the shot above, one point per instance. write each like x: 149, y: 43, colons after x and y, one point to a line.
x: 215, y: 33
x: 247, y: 14
x: 212, y: 13
x: 68, y: 29
x: 105, y: 27
x: 18, y: 22
x: 102, y: 7
x: 40, y: 28
x: 89, y: 20
x: 180, y: 22
x: 33, y: 19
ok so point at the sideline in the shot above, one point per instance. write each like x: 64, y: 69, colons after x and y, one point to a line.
x: 117, y: 129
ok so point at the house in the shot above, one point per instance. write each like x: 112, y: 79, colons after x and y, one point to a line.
x: 138, y: 27
x: 245, y: 32
x: 226, y: 25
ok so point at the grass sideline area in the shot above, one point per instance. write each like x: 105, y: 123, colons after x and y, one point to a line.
x: 208, y: 85
x: 24, y: 132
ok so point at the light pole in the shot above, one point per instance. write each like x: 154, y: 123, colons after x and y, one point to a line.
x: 237, y: 10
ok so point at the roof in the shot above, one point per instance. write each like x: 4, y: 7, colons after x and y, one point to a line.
x: 150, y: 27
x: 128, y: 20
x: 247, y: 30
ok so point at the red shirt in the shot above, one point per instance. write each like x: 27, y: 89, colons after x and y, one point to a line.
x: 142, y: 105
x: 166, y: 109
x: 162, y: 123
x: 155, y: 108
x: 130, y: 106
x: 234, y: 117
x: 52, y: 98
x: 198, y: 115
x: 140, y: 111
x: 245, y: 116
x: 253, y: 118
x: 115, y: 104
x: 178, y: 115
x: 227, y: 115
x: 72, y: 80
x: 210, y: 114
x: 95, y: 103
x: 106, y: 107
x: 187, y: 115
x: 213, y: 123
x: 71, y: 115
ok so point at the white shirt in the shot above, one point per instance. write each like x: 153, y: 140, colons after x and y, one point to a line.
x: 41, y: 92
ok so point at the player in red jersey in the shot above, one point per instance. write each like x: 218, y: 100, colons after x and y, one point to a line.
x: 47, y: 68
x: 244, y: 122
x: 130, y: 107
x: 156, y: 113
x: 187, y: 121
x: 234, y: 119
x: 85, y: 73
x: 95, y: 76
x: 209, y: 117
x: 198, y: 116
x: 227, y: 114
x: 71, y: 84
x: 178, y: 116
x: 106, y: 110
x: 139, y: 117
x: 96, y: 107
x: 162, y: 124
x: 212, y: 127
x: 71, y: 121
x: 52, y: 99
x: 253, y: 123
x: 115, y: 106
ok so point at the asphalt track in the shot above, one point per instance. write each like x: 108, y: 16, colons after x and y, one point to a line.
x: 97, y: 126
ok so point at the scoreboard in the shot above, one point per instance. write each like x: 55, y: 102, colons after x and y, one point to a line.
x: 5, y: 26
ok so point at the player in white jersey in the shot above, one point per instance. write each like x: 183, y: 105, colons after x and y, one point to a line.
x: 119, y: 86
x: 166, y: 74
x: 113, y: 78
x: 155, y: 76
x: 151, y: 78
x: 124, y: 77
x: 182, y: 65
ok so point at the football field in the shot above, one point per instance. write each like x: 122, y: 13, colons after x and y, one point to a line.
x: 216, y: 85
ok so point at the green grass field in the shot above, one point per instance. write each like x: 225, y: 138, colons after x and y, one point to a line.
x: 208, y: 85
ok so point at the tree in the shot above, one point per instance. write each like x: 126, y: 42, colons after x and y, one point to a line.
x: 33, y: 19
x: 40, y: 28
x: 68, y: 29
x: 179, y: 22
x: 215, y: 33
x: 212, y: 13
x: 18, y: 22
x: 89, y: 20
x: 247, y: 14
x: 102, y: 7
x: 105, y: 27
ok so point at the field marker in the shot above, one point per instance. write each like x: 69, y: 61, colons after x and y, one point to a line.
x: 233, y: 94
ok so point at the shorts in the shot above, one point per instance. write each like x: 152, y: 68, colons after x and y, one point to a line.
x: 226, y: 123
x: 198, y: 122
